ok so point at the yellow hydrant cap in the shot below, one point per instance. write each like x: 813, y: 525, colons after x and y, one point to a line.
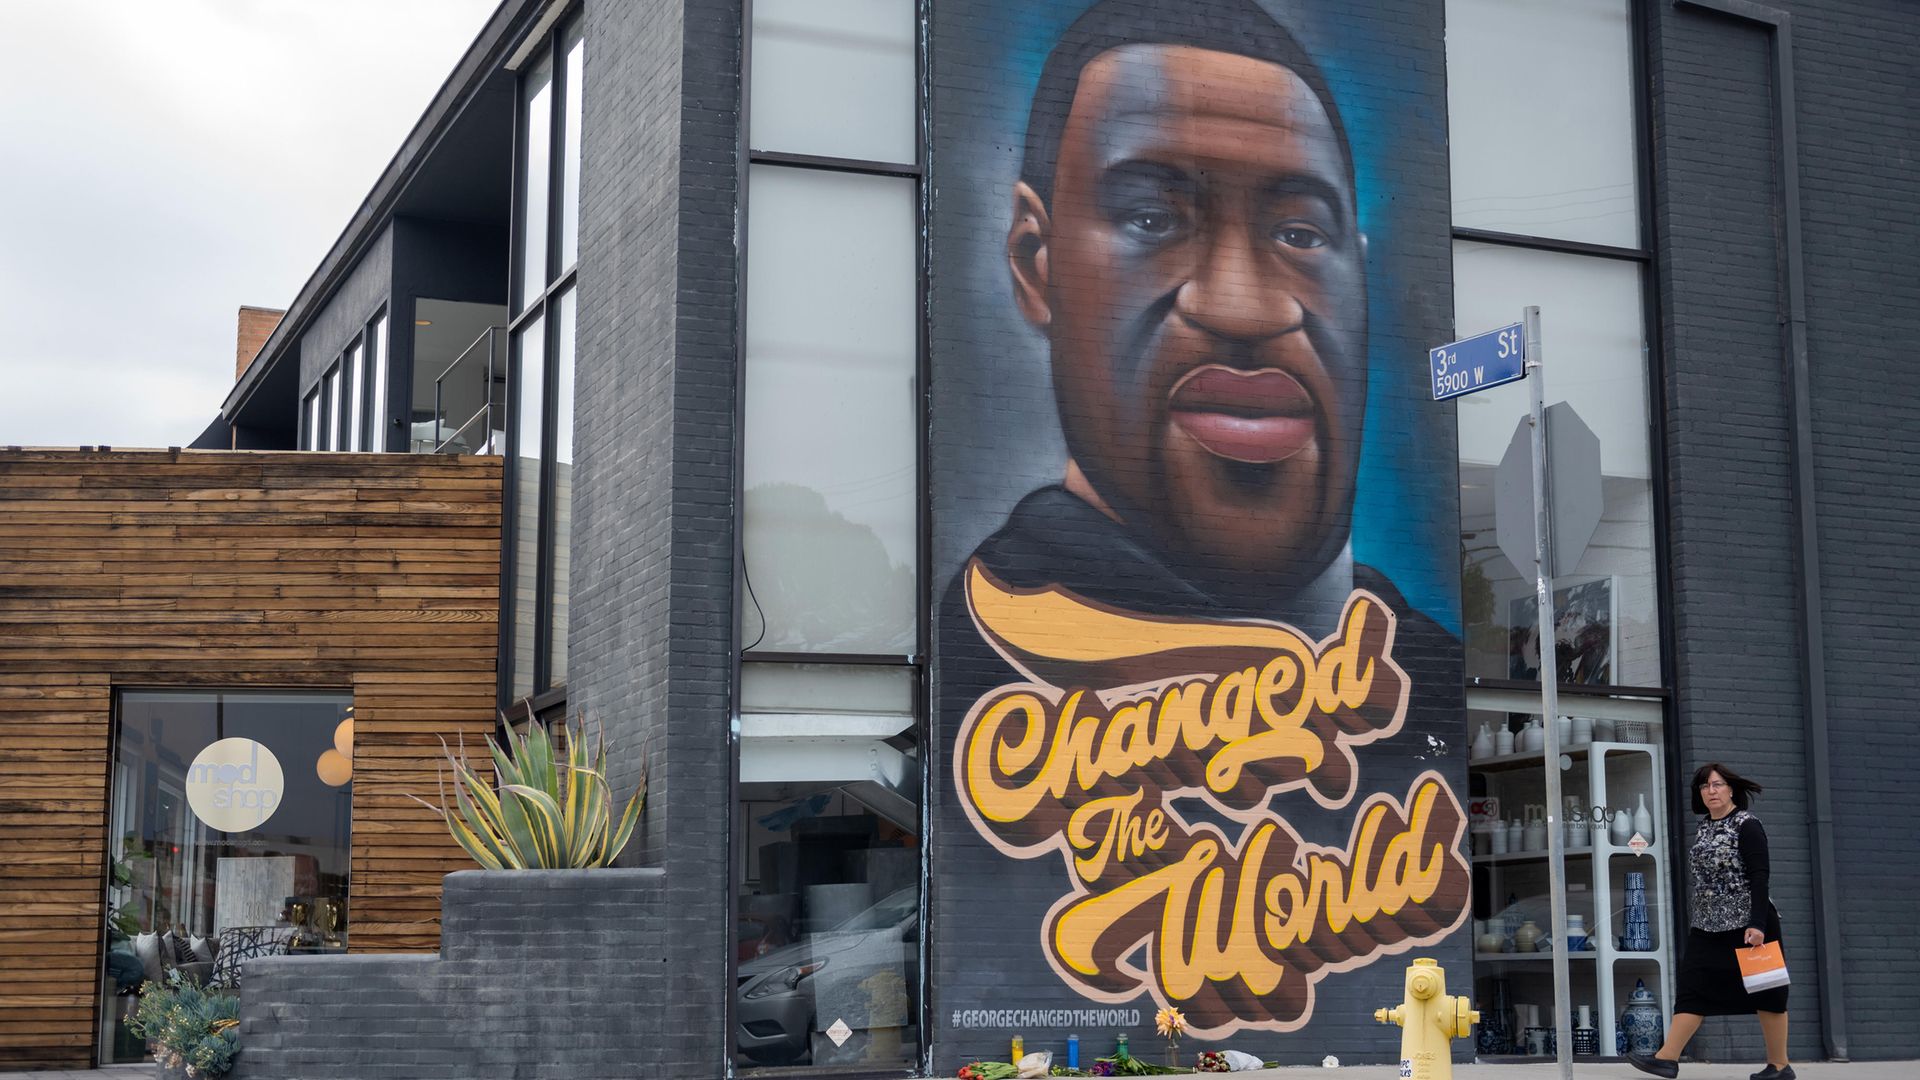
x: 1425, y: 961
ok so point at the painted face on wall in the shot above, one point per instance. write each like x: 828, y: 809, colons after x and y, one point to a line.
x: 1201, y: 278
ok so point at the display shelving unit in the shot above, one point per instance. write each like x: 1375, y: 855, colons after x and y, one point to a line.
x: 1616, y: 776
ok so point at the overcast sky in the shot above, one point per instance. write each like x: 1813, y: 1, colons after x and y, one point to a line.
x: 163, y: 162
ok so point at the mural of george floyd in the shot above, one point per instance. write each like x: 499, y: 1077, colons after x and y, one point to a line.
x: 1196, y: 673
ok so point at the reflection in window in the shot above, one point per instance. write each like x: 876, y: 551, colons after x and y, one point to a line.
x: 311, y: 441
x: 827, y: 832
x: 356, y: 394
x: 529, y: 366
x: 230, y: 826
x: 537, y: 156
x: 1595, y: 347
x: 377, y: 413
x: 574, y: 48
x: 1557, y: 160
x: 561, y: 502
x: 834, y: 77
x: 830, y: 466
x: 335, y: 417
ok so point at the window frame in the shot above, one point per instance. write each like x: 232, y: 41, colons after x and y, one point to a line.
x: 559, y: 280
x: 746, y: 158
x: 1643, y: 254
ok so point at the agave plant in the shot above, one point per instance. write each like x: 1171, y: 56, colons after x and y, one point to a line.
x: 546, y: 814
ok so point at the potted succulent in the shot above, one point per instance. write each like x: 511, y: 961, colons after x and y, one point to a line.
x: 193, y: 1031
x: 545, y: 813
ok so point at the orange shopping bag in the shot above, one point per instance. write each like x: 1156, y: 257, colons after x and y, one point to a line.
x: 1762, y: 967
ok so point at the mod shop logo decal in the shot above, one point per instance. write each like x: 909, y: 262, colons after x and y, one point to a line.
x: 235, y: 785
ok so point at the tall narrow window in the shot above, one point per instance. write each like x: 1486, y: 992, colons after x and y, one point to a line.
x: 560, y: 502
x: 574, y: 47
x: 535, y: 176
x: 335, y: 415
x: 552, y: 91
x: 356, y: 398
x: 377, y: 423
x: 310, y: 438
x: 1555, y: 221
x: 530, y: 365
x: 826, y: 832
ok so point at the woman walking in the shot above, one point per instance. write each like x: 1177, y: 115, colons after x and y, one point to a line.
x: 1728, y: 867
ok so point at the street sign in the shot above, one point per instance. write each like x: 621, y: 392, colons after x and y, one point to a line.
x: 1575, y: 493
x: 1481, y: 362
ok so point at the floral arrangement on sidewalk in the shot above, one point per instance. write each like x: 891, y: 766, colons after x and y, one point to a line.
x: 1171, y: 1023
x: 192, y: 1030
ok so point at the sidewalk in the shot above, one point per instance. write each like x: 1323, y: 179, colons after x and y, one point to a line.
x: 1858, y: 1070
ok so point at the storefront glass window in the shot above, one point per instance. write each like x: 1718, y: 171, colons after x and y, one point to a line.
x: 828, y: 834
x: 831, y: 460
x: 229, y: 837
x: 1619, y: 895
x: 1595, y: 345
x: 1556, y: 160
x: 834, y: 78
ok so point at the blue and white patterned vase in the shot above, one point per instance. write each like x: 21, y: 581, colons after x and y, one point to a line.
x: 1642, y: 1023
x: 1639, y: 935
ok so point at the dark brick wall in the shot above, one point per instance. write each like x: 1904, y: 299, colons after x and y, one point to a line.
x: 365, y: 288
x: 558, y: 974
x: 1734, y: 561
x: 1859, y: 125
x: 652, y: 624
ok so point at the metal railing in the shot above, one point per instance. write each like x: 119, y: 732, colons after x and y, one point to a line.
x: 482, y: 363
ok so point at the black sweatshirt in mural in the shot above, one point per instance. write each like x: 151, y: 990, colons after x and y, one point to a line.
x: 1054, y: 537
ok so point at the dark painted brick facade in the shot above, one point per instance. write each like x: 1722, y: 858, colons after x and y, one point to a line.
x: 1734, y: 559
x: 653, y: 605
x: 541, y: 974
x: 652, y: 629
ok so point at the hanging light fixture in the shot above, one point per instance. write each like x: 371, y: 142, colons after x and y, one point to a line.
x: 343, y: 736
x: 335, y: 766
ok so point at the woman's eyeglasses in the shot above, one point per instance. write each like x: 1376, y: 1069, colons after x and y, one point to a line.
x: 1715, y: 785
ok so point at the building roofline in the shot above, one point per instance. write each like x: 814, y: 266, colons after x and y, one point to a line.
x: 487, y: 53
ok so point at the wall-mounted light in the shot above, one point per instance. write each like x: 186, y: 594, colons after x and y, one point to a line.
x: 423, y: 322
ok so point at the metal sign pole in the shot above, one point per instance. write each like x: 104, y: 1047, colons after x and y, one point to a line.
x: 1549, y: 700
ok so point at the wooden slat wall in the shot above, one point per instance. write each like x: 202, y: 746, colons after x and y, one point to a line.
x: 374, y: 572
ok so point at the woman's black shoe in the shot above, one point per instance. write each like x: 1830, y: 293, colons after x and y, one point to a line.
x: 1771, y: 1073
x: 1647, y: 1063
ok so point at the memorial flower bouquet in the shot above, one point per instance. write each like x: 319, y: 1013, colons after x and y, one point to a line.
x: 1171, y: 1024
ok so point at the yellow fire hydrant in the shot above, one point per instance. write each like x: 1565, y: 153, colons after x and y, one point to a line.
x: 1430, y: 1019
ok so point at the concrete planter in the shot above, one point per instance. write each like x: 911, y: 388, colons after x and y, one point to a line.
x: 541, y: 973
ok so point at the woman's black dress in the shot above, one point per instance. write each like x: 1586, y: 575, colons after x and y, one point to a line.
x: 1729, y: 869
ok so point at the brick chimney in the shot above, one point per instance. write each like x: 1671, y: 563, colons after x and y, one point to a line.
x: 256, y: 325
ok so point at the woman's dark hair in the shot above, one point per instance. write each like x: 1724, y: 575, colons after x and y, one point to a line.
x: 1743, y: 789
